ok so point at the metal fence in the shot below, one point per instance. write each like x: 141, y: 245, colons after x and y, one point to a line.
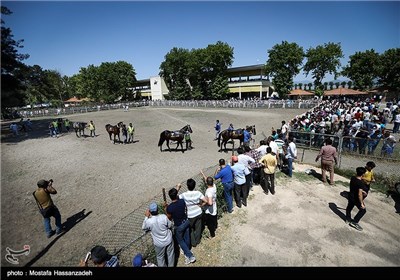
x: 251, y: 104
x: 352, y: 152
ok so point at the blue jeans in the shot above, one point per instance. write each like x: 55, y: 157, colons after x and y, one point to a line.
x: 47, y: 225
x: 290, y: 166
x: 228, y: 187
x: 182, y: 235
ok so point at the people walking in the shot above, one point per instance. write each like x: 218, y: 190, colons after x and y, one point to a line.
x: 358, y: 192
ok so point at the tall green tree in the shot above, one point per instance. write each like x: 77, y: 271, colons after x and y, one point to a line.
x: 284, y: 61
x: 389, y: 69
x: 323, y: 60
x: 175, y: 72
x: 362, y: 69
x: 198, y: 73
x: 12, y: 88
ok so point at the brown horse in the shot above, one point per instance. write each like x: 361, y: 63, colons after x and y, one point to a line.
x: 177, y: 136
x: 114, y: 129
x: 227, y: 135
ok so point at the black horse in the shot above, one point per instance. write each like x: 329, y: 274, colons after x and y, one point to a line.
x: 178, y: 136
x: 114, y: 129
x: 79, y: 128
x: 227, y: 135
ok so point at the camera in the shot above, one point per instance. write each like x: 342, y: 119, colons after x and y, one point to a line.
x: 87, y: 257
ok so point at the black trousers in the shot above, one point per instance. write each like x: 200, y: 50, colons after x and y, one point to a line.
x: 354, y: 202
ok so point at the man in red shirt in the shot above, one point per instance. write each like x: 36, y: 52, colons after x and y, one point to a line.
x: 328, y: 155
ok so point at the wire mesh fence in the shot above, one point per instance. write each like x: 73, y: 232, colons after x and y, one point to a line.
x: 126, y: 238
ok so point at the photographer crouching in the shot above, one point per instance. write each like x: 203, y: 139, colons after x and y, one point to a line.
x: 47, y: 207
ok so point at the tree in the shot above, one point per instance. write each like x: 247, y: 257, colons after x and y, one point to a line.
x: 362, y: 69
x: 343, y: 84
x: 199, y: 73
x: 389, y: 69
x: 323, y: 60
x: 300, y: 85
x: 330, y: 85
x: 349, y: 84
x: 284, y: 61
x: 325, y: 85
x: 11, y: 66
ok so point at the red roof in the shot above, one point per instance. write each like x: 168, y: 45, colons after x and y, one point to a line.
x: 300, y: 92
x: 344, y: 91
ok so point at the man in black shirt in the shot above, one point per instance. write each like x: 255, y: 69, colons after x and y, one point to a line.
x: 358, y: 192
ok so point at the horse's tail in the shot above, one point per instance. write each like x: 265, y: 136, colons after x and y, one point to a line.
x: 161, y: 141
x: 219, y: 139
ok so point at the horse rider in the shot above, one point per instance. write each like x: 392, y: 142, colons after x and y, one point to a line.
x: 230, y: 128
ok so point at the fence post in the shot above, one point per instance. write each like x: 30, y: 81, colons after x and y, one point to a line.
x: 340, y: 150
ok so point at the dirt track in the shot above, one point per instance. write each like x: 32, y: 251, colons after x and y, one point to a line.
x: 109, y: 181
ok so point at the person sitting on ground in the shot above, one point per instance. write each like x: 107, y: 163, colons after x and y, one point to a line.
x: 101, y: 258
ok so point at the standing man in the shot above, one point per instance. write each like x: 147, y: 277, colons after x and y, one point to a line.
x: 193, y: 200
x: 217, y: 129
x: 269, y: 163
x: 358, y: 192
x: 224, y: 172
x: 328, y: 155
x: 291, y: 155
x: 92, y: 129
x: 47, y: 207
x: 160, y: 227
x: 239, y: 179
x: 176, y: 211
x: 211, y: 219
x: 131, y: 131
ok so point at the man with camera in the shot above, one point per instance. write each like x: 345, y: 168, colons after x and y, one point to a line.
x: 47, y: 207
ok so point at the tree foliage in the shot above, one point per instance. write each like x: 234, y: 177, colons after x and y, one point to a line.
x: 284, y: 61
x: 11, y: 64
x: 323, y: 60
x: 362, y: 69
x: 198, y: 73
x: 109, y: 82
x: 389, y: 69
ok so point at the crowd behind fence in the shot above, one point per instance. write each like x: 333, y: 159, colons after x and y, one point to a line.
x: 236, y: 103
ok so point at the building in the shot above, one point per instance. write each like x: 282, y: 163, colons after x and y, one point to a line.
x: 244, y: 82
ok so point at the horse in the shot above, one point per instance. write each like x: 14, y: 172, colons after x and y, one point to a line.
x: 114, y: 129
x: 178, y: 136
x: 227, y: 135
x: 79, y: 127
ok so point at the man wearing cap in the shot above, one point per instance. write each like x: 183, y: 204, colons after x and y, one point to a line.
x: 138, y: 261
x: 160, y: 228
x: 47, y: 207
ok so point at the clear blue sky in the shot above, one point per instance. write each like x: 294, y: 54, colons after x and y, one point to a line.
x: 66, y: 36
